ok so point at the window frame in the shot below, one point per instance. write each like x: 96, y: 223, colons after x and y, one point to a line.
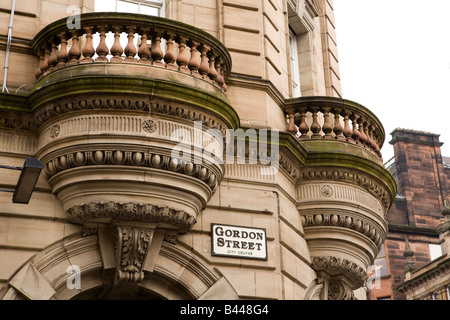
x: 294, y: 64
x: 157, y: 4
x: 382, y: 256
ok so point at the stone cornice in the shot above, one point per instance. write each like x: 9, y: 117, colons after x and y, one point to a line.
x: 363, y: 226
x: 412, y: 229
x: 349, y: 176
x: 336, y: 266
x: 131, y: 211
x: 17, y: 44
x: 102, y: 157
x: 257, y: 83
x: 440, y: 268
x: 148, y: 90
x: 416, y: 137
x: 14, y: 102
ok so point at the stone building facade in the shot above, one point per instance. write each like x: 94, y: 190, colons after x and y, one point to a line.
x: 422, y: 176
x: 132, y: 115
x: 431, y: 281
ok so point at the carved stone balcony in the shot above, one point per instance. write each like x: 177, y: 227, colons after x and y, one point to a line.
x: 343, y: 191
x: 109, y: 119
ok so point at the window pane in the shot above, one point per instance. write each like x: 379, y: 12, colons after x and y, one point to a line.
x: 381, y: 254
x: 127, y: 7
x: 152, y: 8
x: 105, y: 5
x: 435, y: 251
x: 294, y: 64
x: 149, y: 10
x: 381, y: 267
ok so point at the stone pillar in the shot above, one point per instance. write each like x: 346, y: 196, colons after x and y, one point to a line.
x: 444, y: 231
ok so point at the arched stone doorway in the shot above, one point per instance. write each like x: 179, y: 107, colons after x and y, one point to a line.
x: 52, y: 275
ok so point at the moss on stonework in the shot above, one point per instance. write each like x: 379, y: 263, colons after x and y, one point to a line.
x: 14, y: 102
x: 332, y: 153
x: 46, y: 92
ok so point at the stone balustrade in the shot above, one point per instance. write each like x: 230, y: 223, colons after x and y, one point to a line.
x: 328, y: 118
x: 186, y: 49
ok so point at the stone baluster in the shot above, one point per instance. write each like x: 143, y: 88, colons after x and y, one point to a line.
x: 194, y: 64
x: 355, y: 135
x: 116, y: 49
x: 157, y: 53
x: 53, y: 59
x: 363, y: 137
x: 45, y: 66
x: 291, y: 127
x: 327, y: 127
x: 338, y: 129
x: 183, y: 59
x: 375, y: 145
x: 143, y: 51
x: 204, y: 64
x: 130, y: 49
x: 88, y: 50
x: 38, y: 71
x: 218, y: 66
x: 348, y: 132
x: 76, y: 46
x: 369, y: 141
x: 224, y: 85
x: 212, y: 66
x: 303, y: 127
x: 74, y: 52
x: 62, y: 55
x: 315, y: 126
x: 169, y: 57
x: 102, y: 49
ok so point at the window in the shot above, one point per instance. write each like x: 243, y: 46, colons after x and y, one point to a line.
x: 381, y: 264
x: 435, y: 296
x: 295, y: 71
x: 149, y: 7
x: 435, y: 251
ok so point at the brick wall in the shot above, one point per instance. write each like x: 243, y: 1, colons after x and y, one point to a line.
x: 416, y: 212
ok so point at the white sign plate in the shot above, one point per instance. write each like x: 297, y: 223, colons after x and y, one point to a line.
x: 238, y: 242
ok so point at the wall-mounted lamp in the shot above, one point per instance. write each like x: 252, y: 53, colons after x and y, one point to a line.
x: 27, y: 180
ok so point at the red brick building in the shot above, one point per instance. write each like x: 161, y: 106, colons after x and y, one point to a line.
x: 422, y: 177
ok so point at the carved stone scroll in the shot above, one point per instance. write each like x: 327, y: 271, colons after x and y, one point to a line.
x: 333, y: 267
x: 132, y: 243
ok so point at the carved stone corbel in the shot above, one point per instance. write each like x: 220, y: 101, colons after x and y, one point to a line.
x: 339, y: 277
x: 339, y: 289
x: 132, y: 242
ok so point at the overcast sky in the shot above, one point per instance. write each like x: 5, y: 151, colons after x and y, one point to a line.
x: 394, y: 58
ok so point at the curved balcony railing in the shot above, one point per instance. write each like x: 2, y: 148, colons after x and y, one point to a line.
x: 331, y: 118
x: 151, y: 41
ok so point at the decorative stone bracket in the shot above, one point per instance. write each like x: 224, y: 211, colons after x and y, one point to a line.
x: 130, y: 248
x: 339, y: 277
x: 132, y: 243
